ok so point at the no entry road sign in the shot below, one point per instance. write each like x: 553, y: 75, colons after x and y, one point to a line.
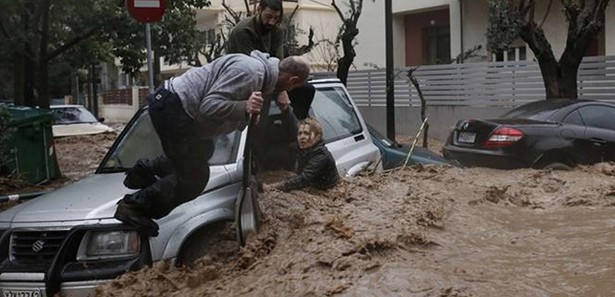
x: 146, y: 11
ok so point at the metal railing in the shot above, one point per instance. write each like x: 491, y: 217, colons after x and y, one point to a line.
x: 478, y: 84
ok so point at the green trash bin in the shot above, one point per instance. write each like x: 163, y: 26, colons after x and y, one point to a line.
x: 31, y: 153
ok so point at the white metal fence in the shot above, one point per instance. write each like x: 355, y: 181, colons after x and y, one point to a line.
x: 478, y: 84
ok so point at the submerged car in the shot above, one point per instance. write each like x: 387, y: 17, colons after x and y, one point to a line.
x: 395, y: 154
x: 71, y: 120
x: 68, y: 242
x: 550, y: 134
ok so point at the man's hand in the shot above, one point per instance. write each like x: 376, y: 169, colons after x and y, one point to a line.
x: 255, y: 103
x: 282, y: 100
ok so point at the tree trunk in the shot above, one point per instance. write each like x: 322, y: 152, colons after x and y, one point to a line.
x: 27, y: 54
x: 29, y: 77
x: 584, y: 24
x: 344, y: 63
x: 156, y: 65
x: 42, y: 82
x: 18, y: 84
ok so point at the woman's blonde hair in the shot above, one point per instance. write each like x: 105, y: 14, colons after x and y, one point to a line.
x: 315, y: 127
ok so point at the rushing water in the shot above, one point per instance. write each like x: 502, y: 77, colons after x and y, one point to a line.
x: 509, y: 251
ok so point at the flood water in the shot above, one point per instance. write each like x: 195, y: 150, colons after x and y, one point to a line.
x: 526, y: 252
x: 425, y: 232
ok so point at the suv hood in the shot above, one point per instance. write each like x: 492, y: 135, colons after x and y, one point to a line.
x: 93, y: 197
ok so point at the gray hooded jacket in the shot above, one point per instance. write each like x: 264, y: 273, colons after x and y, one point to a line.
x: 215, y: 95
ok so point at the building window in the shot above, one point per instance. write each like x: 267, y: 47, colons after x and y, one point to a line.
x: 210, y: 36
x: 517, y: 53
x: 258, y: 1
x: 437, y: 45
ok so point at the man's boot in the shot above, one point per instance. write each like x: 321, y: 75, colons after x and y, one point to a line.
x: 130, y: 214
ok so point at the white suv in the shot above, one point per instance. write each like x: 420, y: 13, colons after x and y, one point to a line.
x: 68, y: 241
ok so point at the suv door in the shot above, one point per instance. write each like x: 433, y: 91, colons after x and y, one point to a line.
x: 343, y: 128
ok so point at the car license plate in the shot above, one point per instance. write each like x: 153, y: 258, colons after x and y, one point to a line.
x: 21, y: 293
x: 466, y: 137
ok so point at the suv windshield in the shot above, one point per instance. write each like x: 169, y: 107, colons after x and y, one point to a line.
x: 141, y: 141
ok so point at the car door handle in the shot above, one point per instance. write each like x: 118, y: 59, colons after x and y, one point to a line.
x: 359, y: 138
x: 598, y: 141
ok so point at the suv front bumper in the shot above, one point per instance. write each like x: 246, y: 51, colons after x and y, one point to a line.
x: 12, y: 288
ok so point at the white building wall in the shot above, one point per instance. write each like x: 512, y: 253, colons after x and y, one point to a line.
x: 473, y: 20
x: 325, y: 22
x: 404, y: 6
x: 371, y: 48
x: 475, y: 25
x: 609, y: 30
x: 371, y: 39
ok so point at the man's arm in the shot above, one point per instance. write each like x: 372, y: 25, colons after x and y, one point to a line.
x: 232, y: 97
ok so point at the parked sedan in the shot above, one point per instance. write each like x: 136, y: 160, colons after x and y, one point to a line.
x: 394, y: 154
x: 70, y: 120
x: 550, y: 134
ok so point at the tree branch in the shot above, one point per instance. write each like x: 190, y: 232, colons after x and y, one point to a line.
x: 339, y: 12
x: 70, y: 43
x: 3, y: 29
x: 356, y: 11
x: 236, y: 16
x: 248, y: 13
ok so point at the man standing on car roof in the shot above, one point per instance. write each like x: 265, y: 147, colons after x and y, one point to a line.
x: 262, y: 32
x: 186, y: 112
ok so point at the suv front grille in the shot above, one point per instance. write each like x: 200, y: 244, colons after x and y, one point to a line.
x: 35, y: 247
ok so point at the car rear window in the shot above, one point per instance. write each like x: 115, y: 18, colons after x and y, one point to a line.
x: 540, y: 110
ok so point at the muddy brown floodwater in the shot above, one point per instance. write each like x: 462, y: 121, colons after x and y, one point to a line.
x: 424, y: 231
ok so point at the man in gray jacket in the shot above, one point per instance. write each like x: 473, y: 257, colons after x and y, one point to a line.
x: 186, y: 112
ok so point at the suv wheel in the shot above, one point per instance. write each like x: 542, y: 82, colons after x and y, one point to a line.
x: 215, y: 240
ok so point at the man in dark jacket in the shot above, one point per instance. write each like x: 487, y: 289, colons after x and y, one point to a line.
x: 315, y: 166
x: 274, y: 135
x: 186, y: 112
x: 259, y: 31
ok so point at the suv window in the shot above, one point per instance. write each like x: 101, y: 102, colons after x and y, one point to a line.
x: 334, y: 110
x: 141, y: 141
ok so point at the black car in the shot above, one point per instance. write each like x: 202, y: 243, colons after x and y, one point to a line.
x: 555, y: 134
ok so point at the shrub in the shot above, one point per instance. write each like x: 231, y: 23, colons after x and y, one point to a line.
x: 5, y: 135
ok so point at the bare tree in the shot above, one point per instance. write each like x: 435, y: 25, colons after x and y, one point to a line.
x: 291, y: 46
x: 327, y: 51
x: 415, y: 82
x: 348, y: 32
x: 510, y: 19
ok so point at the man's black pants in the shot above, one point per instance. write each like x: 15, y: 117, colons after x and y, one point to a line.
x: 183, y: 171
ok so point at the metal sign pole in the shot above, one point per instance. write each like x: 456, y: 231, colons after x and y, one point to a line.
x: 150, y: 68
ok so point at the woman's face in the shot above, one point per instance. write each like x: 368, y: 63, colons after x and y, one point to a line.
x: 306, y: 137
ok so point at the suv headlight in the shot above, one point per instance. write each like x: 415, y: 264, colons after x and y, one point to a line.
x: 108, y: 245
